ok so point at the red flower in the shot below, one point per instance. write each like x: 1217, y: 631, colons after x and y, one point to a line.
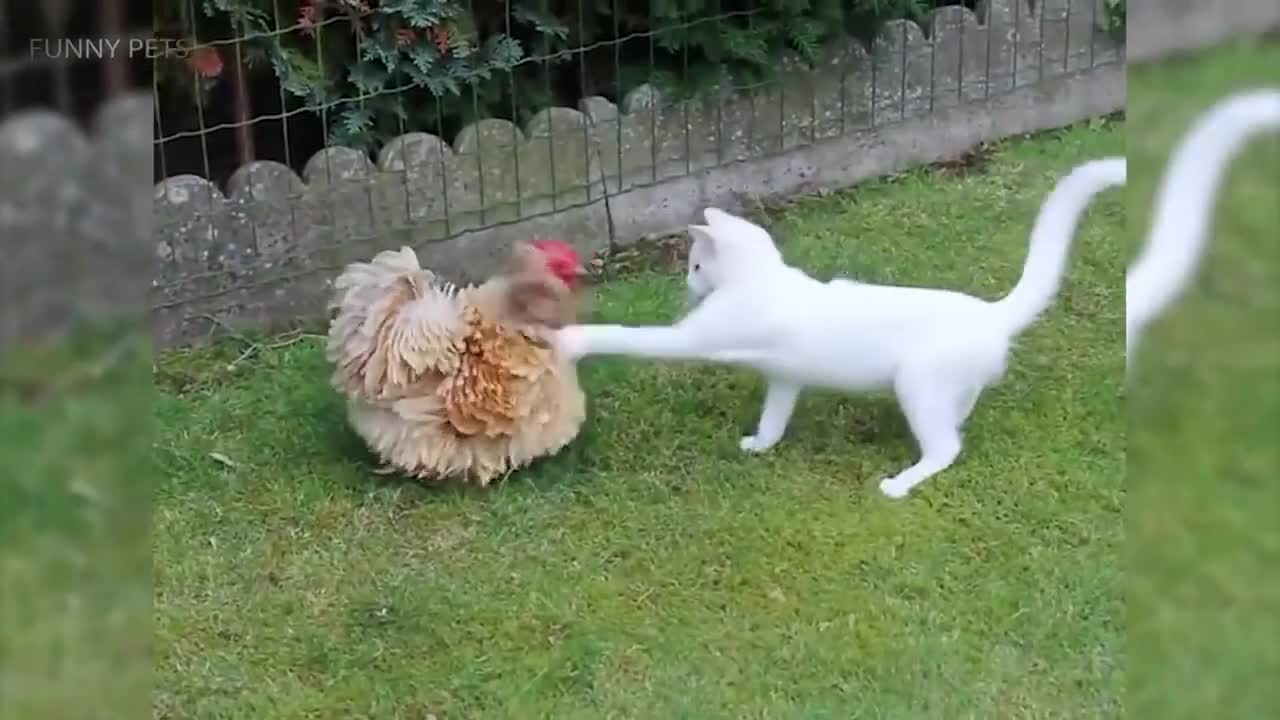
x: 307, y: 17
x: 205, y: 61
x: 405, y: 36
x: 440, y: 36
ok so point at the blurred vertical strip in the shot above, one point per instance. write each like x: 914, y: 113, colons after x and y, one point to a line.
x: 1203, y: 485
x: 75, y: 491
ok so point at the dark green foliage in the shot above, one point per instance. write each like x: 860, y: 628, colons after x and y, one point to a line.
x: 703, y: 43
x: 1114, y: 18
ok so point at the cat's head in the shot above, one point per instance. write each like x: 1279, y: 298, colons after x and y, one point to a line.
x: 725, y: 249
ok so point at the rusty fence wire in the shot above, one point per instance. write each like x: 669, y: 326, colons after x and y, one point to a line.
x: 294, y: 136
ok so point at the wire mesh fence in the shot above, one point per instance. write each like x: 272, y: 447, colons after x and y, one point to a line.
x: 294, y: 137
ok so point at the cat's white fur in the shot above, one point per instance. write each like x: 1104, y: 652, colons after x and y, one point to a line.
x: 1184, y: 205
x: 936, y: 349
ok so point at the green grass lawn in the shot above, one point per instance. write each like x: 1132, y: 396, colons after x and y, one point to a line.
x: 652, y: 570
x: 1204, y: 496
x: 75, y: 560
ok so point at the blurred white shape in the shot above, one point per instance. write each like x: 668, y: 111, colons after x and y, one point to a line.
x: 1185, y: 202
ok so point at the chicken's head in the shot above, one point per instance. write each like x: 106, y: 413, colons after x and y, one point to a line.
x: 562, y: 260
x: 540, y: 283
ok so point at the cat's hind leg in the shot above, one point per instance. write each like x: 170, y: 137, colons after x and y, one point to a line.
x: 779, y: 403
x: 965, y: 402
x: 935, y: 408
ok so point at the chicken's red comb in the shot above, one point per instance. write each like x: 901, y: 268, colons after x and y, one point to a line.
x: 556, y: 248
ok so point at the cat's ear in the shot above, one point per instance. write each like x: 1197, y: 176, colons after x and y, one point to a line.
x: 715, y: 216
x: 702, y: 233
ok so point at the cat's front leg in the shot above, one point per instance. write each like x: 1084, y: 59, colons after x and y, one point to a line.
x: 570, y: 342
x: 676, y: 342
x: 779, y: 404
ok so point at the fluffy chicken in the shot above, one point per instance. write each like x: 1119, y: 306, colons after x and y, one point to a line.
x: 447, y: 382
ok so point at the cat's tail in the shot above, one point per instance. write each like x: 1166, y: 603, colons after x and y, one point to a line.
x: 1184, y: 204
x: 1051, y: 240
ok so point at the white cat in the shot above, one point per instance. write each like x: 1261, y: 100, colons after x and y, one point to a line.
x: 937, y: 349
x: 1184, y: 205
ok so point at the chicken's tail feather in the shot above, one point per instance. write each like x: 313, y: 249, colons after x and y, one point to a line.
x: 391, y: 325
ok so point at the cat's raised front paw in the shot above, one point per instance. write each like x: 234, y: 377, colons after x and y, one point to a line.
x: 894, y: 488
x: 752, y: 444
